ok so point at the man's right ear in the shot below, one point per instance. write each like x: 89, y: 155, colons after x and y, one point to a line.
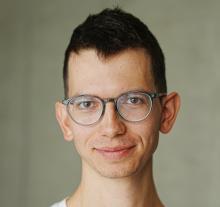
x: 64, y: 121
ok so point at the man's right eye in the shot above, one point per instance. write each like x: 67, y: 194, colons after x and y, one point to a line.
x: 85, y: 105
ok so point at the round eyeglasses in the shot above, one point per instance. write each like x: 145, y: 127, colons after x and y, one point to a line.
x: 132, y: 106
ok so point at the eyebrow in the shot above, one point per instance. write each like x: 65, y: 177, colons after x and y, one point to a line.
x: 130, y: 90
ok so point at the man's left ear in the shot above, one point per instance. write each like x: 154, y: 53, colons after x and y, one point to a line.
x: 170, y: 108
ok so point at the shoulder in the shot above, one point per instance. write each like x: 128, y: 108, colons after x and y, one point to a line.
x: 60, y: 204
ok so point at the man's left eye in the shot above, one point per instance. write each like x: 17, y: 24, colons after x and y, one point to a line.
x: 134, y: 100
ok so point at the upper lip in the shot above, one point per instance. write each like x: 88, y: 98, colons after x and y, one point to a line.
x: 114, y: 149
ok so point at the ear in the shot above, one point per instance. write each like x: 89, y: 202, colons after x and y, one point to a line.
x: 170, y: 108
x: 64, y: 121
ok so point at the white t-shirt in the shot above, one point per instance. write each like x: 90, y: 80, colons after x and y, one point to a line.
x: 60, y: 204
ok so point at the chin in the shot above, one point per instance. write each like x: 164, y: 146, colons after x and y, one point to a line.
x: 119, y: 170
x: 117, y: 173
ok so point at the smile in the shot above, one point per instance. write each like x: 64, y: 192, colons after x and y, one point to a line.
x: 115, y: 153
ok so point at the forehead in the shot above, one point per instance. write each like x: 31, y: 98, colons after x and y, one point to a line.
x: 90, y: 73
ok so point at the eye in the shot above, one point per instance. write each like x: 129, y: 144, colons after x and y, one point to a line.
x: 85, y: 104
x: 134, y: 100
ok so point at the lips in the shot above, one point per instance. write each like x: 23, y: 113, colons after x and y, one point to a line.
x: 114, y: 149
x: 115, y: 153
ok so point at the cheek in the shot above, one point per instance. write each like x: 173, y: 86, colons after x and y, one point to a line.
x: 148, y: 133
x: 149, y: 136
x: 81, y: 136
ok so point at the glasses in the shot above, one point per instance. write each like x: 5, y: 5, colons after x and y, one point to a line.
x: 132, y: 106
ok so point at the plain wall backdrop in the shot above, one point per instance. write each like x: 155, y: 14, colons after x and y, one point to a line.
x: 37, y: 167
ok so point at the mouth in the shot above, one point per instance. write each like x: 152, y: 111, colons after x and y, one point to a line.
x: 115, y: 153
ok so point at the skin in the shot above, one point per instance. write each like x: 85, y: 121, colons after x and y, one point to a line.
x: 127, y: 180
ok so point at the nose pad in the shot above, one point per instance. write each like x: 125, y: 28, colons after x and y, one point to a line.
x: 111, y: 123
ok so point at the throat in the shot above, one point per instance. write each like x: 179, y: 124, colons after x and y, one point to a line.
x: 133, y: 191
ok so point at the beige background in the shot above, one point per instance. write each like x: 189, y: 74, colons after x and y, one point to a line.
x: 37, y: 167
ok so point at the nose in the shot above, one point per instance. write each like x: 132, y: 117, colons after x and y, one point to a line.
x: 111, y: 125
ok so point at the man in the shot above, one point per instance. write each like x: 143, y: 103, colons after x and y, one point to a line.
x: 116, y: 103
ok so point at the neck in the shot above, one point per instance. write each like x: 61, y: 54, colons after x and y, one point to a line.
x: 137, y: 190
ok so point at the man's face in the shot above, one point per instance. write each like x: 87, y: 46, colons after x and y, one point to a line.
x: 114, y: 147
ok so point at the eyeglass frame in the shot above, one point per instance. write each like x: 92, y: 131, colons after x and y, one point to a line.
x: 104, y: 101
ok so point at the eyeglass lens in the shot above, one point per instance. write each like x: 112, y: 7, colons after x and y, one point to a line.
x: 85, y: 109
x: 134, y: 106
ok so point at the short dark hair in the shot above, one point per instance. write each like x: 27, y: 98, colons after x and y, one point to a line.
x: 112, y: 31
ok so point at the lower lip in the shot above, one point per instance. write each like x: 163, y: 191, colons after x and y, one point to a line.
x: 115, y: 155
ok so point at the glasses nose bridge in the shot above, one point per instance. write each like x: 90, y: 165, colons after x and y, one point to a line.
x: 108, y: 100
